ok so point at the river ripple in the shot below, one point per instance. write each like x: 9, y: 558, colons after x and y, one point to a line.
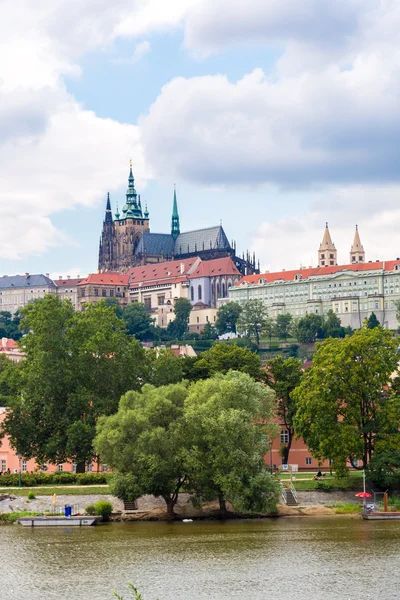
x: 282, y: 559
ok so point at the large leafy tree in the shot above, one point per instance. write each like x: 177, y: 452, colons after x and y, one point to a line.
x: 283, y: 376
x: 252, y: 319
x: 138, y: 321
x: 372, y: 321
x: 9, y: 325
x: 146, y: 441
x: 332, y: 326
x: 10, y: 375
x: 308, y: 328
x: 229, y: 424
x: 347, y: 401
x: 283, y: 325
x: 77, y: 366
x: 227, y: 317
x: 223, y: 357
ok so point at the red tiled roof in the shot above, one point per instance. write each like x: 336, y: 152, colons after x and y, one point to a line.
x: 67, y: 282
x: 387, y: 265
x: 161, y: 272
x: 218, y: 266
x: 8, y: 344
x: 108, y: 278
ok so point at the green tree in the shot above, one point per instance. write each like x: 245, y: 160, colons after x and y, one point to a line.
x: 283, y: 376
x: 283, y: 325
x: 269, y: 328
x: 372, y: 321
x: 332, y: 326
x: 308, y: 328
x: 146, y: 441
x: 345, y: 403
x: 113, y: 303
x: 138, y: 321
x: 252, y: 319
x: 9, y: 325
x: 179, y: 326
x: 384, y: 468
x: 227, y: 317
x: 222, y: 357
x: 10, y: 376
x: 76, y: 368
x: 209, y: 332
x: 229, y: 424
x: 166, y: 368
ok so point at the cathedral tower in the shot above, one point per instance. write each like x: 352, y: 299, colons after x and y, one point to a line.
x: 357, y: 254
x: 327, y: 253
x: 175, y: 227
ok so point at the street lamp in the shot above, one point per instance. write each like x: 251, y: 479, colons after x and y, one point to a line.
x: 20, y: 468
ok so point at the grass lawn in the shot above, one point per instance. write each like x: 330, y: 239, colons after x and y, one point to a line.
x: 49, y: 490
x: 305, y: 481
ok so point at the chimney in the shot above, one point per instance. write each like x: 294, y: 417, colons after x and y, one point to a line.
x: 60, y: 277
x: 4, y: 342
x: 182, y: 268
x: 47, y: 274
x: 27, y: 275
x: 68, y: 276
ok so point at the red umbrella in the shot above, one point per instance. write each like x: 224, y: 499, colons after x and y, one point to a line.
x: 363, y: 495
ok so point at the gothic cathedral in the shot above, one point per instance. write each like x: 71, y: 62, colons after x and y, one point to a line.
x: 126, y: 240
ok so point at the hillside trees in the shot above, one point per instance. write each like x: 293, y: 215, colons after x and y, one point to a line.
x: 347, y: 401
x: 227, y: 317
x: 252, y: 319
x: 77, y: 366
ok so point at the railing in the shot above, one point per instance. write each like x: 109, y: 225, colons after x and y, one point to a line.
x: 293, y: 490
x: 283, y: 493
x: 59, y: 510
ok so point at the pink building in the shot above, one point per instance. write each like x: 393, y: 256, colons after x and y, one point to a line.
x: 11, y: 349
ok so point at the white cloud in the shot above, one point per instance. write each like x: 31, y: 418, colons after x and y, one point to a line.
x: 294, y: 241
x: 141, y: 50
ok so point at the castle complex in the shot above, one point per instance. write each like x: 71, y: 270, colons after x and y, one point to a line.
x: 126, y: 240
x: 352, y: 291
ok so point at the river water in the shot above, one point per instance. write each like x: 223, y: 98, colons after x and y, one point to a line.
x: 282, y: 559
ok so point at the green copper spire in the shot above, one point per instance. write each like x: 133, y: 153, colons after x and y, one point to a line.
x: 117, y: 213
x: 132, y: 208
x: 175, y: 228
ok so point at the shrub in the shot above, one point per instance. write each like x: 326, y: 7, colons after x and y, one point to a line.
x: 104, y: 509
x: 31, y: 496
x: 37, y: 478
x: 90, y: 509
x: 323, y: 486
x: 124, y: 487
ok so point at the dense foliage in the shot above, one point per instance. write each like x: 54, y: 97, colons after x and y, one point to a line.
x: 347, y: 403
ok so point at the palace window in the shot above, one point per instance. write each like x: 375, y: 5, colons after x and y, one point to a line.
x: 24, y: 466
x: 308, y: 460
x: 104, y: 468
x: 96, y: 291
x: 147, y: 303
x: 74, y: 467
x: 90, y: 467
x: 104, y: 293
x: 161, y: 300
x: 191, y: 293
x: 3, y: 465
x: 60, y: 468
x: 199, y: 292
x: 111, y: 293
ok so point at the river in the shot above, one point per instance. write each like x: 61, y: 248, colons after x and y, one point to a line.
x: 282, y: 559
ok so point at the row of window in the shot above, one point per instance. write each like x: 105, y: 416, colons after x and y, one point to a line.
x: 24, y: 465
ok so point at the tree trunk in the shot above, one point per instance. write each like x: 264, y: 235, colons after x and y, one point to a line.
x: 81, y: 467
x: 289, y: 444
x: 170, y: 502
x: 222, y: 506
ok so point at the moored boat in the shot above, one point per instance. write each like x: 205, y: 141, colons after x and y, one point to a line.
x: 53, y: 521
x: 379, y: 516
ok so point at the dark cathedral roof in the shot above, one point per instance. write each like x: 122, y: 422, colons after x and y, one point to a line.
x: 201, y: 239
x: 156, y: 243
x: 190, y: 242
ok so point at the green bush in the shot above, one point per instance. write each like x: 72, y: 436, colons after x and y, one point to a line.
x: 37, y: 478
x: 324, y: 486
x: 124, y: 487
x: 90, y: 509
x: 31, y: 496
x: 104, y: 509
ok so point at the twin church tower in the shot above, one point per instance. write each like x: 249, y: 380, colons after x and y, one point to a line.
x: 126, y: 240
x: 327, y: 253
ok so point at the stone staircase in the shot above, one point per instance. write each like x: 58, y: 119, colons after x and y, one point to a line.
x: 291, y: 500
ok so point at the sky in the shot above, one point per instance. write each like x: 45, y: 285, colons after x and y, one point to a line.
x: 270, y: 116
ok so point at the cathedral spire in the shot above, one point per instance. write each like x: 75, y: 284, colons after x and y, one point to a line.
x: 175, y: 228
x: 108, y: 218
x: 357, y: 254
x: 327, y: 253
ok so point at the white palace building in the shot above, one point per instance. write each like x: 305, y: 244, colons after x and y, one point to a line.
x: 352, y: 291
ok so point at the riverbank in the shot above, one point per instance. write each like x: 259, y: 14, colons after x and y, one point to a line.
x: 149, y: 508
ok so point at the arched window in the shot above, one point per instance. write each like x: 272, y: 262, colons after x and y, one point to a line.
x: 191, y: 293
x: 199, y: 292
x: 217, y: 288
x: 223, y: 290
